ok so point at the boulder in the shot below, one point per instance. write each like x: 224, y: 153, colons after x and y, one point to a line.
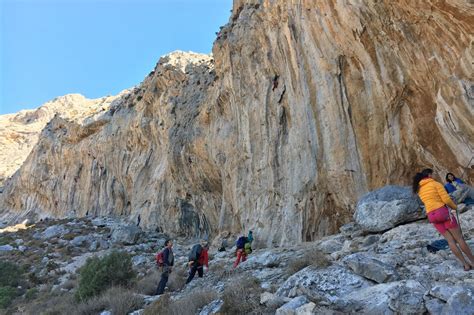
x: 386, y: 208
x: 402, y: 297
x: 53, y: 231
x: 329, y: 284
x: 371, y: 268
x: 126, y: 234
x: 460, y: 303
x: 79, y: 240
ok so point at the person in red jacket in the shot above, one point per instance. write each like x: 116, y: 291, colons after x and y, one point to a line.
x: 198, y: 258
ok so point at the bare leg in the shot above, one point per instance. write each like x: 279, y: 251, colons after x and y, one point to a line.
x: 456, y: 233
x: 454, y: 248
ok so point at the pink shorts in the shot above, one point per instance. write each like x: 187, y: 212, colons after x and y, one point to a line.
x: 442, y: 220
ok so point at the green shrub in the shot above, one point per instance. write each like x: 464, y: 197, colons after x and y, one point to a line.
x: 99, y: 274
x: 7, y: 294
x: 10, y: 274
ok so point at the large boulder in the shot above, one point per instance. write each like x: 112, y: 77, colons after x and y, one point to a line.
x: 371, y: 268
x: 403, y: 297
x: 460, y: 303
x: 53, y: 231
x: 126, y: 234
x: 386, y: 208
x: 328, y: 284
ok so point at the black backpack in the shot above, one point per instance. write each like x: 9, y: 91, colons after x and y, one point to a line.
x: 195, y: 252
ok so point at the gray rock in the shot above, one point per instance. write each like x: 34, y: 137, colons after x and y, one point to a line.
x: 444, y: 291
x: 212, y: 308
x: 290, y: 307
x: 370, y: 240
x: 53, y: 231
x: 80, y: 240
x: 137, y: 312
x: 106, y: 313
x: 22, y: 248
x: 460, y: 303
x: 433, y: 305
x: 6, y: 248
x: 329, y: 284
x: 19, y: 241
x: 126, y: 234
x: 403, y: 297
x: 386, y: 208
x: 371, y: 268
x: 330, y: 246
x: 138, y: 260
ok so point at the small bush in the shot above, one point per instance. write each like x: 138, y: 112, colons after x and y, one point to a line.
x: 242, y: 296
x: 118, y: 300
x: 309, y: 258
x: 7, y: 294
x: 99, y: 274
x: 186, y: 305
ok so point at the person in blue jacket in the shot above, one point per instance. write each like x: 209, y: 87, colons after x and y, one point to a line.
x: 168, y: 262
x: 458, y: 190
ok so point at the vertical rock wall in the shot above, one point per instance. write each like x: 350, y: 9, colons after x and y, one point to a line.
x: 305, y: 106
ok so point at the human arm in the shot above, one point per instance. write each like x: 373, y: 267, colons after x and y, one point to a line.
x: 445, y: 197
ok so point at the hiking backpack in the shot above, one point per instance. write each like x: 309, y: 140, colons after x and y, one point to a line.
x: 247, y: 248
x: 195, y: 252
x: 241, y: 242
x: 160, y: 258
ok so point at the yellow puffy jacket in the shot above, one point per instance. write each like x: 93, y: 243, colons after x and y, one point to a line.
x: 434, y: 195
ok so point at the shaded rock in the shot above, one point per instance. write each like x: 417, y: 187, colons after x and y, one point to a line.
x: 126, y: 234
x: 386, y: 208
x: 330, y: 246
x: 433, y: 305
x: 329, y: 284
x: 460, y: 303
x: 371, y: 268
x: 79, y: 240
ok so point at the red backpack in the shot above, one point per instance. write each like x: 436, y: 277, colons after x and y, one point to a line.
x: 160, y: 259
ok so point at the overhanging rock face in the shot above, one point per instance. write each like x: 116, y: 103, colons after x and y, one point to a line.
x: 304, y: 107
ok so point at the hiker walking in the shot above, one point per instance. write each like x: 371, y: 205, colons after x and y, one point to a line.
x: 198, y: 258
x: 459, y: 191
x: 436, y: 200
x: 165, y: 260
x: 243, y: 249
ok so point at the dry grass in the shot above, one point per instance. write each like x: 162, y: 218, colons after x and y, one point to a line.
x: 147, y: 285
x: 242, y: 296
x: 177, y: 278
x: 186, y: 305
x: 314, y: 258
x: 118, y: 300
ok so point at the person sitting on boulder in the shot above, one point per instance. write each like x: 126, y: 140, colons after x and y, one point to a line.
x: 436, y: 199
x: 243, y: 249
x: 165, y: 260
x: 458, y: 190
x: 198, y: 258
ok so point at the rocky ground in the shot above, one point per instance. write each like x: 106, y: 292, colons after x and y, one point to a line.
x: 355, y: 271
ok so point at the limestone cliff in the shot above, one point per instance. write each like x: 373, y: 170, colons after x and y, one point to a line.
x: 19, y: 132
x: 305, y: 106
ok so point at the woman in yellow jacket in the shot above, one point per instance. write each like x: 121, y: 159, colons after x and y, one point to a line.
x: 436, y: 200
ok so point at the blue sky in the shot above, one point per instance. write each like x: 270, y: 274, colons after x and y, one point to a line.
x: 49, y: 48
